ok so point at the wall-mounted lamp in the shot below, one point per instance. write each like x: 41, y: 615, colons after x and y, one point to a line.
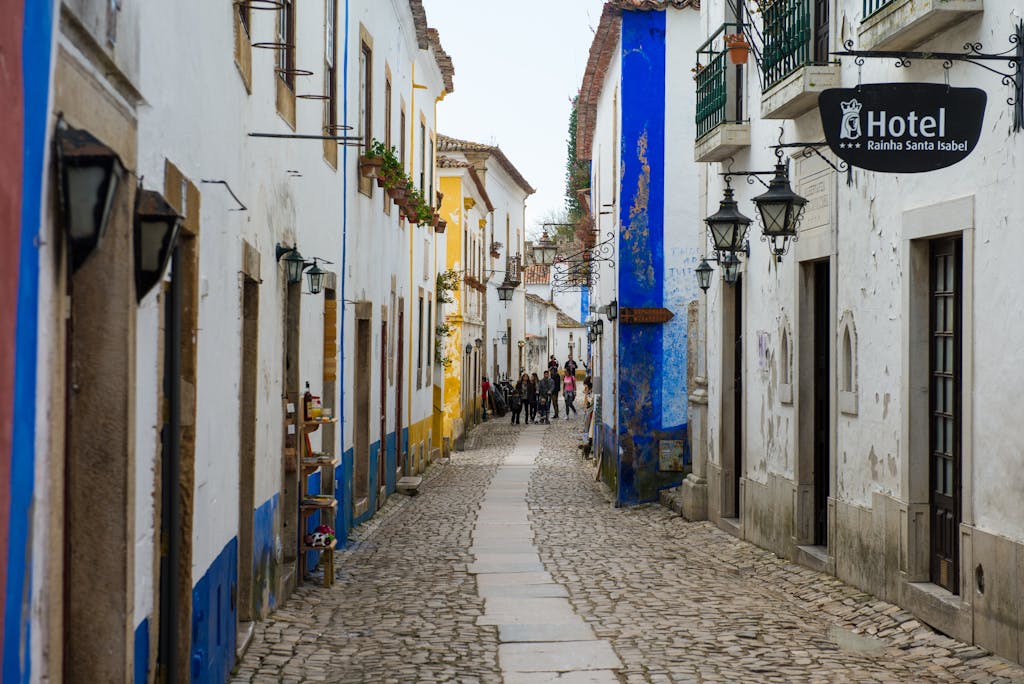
x: 155, y: 234
x: 469, y: 349
x: 294, y: 264
x: 598, y: 326
x: 613, y: 310
x: 505, y: 291
x: 90, y: 174
x: 544, y: 250
x: 316, y: 277
x: 781, y: 210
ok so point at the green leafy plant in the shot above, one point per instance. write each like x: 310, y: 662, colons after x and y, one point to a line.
x: 447, y: 282
x: 443, y: 331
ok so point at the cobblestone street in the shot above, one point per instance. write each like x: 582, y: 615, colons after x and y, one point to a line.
x: 441, y: 587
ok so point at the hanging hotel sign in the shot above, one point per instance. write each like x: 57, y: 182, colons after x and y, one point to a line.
x: 902, y: 127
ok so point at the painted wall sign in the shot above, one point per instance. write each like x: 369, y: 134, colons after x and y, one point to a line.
x: 643, y: 314
x: 902, y: 127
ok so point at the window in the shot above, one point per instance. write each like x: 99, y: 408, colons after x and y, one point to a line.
x: 330, y: 82
x: 286, y: 36
x: 785, y: 363
x: 423, y: 158
x: 419, y: 349
x: 430, y: 169
x: 848, y: 365
x: 388, y: 123
x: 366, y: 106
x: 243, y: 44
x: 401, y: 136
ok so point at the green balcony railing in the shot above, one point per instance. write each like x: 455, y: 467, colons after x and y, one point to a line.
x: 872, y: 6
x: 787, y: 38
x: 712, y: 83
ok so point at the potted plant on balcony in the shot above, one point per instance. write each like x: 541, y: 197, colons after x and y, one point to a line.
x: 440, y: 225
x: 370, y: 164
x: 496, y: 249
x: 391, y: 173
x: 738, y: 47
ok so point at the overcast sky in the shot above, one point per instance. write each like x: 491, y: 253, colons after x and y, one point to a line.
x: 517, y: 65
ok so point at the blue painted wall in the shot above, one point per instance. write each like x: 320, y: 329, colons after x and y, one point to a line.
x: 142, y: 652
x: 37, y: 35
x: 641, y: 351
x: 213, y: 619
x: 264, y: 573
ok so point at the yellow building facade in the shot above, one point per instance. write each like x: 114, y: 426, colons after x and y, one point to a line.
x: 468, y: 211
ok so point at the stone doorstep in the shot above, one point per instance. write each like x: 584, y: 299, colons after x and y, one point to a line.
x: 409, y: 485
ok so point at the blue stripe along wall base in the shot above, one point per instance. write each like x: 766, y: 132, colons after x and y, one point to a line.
x: 213, y: 619
x: 642, y: 261
x: 142, y: 652
x: 266, y: 523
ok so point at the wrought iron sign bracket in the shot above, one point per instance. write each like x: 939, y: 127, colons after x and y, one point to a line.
x: 809, y: 149
x: 972, y: 53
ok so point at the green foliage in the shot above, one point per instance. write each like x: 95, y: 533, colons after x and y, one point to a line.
x: 443, y: 330
x: 447, y: 282
x: 577, y: 173
x: 392, y: 174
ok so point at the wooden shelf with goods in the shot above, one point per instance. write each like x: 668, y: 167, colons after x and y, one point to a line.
x: 324, y: 505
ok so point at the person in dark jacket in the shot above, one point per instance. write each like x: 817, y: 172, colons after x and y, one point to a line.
x: 516, y: 404
x: 531, y: 397
x: 544, y: 391
x: 556, y: 386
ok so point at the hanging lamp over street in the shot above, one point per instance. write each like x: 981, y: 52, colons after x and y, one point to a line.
x: 728, y: 226
x: 781, y: 210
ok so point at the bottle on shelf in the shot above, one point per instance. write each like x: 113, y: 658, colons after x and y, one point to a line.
x: 307, y: 402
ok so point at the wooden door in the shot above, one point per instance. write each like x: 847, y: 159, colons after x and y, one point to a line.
x: 399, y: 391
x: 382, y: 454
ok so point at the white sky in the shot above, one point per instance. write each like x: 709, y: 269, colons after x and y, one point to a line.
x: 517, y: 64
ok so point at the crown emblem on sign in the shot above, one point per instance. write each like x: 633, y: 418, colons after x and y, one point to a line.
x: 851, y: 107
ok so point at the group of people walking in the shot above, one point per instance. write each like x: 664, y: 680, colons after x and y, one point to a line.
x: 537, y: 396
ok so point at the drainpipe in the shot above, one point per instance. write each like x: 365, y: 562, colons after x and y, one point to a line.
x: 344, y: 274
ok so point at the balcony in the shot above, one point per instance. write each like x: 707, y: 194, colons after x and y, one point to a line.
x: 906, y: 24
x: 721, y: 129
x: 795, y: 65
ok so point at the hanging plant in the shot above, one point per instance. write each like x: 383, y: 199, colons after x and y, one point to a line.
x: 371, y: 163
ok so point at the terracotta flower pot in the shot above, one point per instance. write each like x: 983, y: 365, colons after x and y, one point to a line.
x: 441, y: 225
x: 738, y: 47
x: 369, y: 166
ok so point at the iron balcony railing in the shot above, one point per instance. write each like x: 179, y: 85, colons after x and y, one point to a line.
x: 711, y: 75
x: 787, y: 38
x: 872, y: 6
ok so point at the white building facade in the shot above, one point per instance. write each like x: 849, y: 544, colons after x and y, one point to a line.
x: 861, y: 417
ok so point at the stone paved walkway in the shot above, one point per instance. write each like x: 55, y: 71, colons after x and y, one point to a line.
x: 512, y: 565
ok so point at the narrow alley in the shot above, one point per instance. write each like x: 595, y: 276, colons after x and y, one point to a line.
x: 512, y: 565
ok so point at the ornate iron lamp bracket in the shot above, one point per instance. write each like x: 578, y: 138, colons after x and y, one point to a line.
x: 972, y: 53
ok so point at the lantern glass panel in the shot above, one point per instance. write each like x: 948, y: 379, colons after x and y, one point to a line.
x: 774, y: 215
x: 731, y: 269
x: 704, y: 275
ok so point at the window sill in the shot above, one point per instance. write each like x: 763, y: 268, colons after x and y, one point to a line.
x: 797, y: 94
x: 722, y: 142
x: 786, y: 394
x: 848, y: 403
x: 907, y: 24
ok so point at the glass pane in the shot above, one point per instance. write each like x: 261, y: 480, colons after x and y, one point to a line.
x: 949, y: 273
x: 948, y: 394
x: 939, y: 347
x: 948, y: 483
x: 948, y: 355
x: 939, y: 271
x: 949, y: 435
x: 950, y: 314
x: 939, y: 446
x: 940, y: 313
x: 937, y: 485
x: 940, y: 390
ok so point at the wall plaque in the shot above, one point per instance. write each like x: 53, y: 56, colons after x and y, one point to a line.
x: 636, y: 314
x: 902, y: 127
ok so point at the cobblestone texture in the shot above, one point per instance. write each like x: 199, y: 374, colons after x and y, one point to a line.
x: 687, y: 602
x: 678, y: 601
x: 403, y: 607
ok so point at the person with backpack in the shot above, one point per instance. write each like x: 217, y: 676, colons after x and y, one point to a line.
x: 544, y: 391
x: 531, y: 397
x: 556, y: 386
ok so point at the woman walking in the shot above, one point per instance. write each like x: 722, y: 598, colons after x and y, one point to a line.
x: 531, y: 397
x: 569, y: 392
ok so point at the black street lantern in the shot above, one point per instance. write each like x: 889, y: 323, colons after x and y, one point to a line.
x: 478, y: 343
x: 599, y: 327
x: 728, y: 226
x: 544, y: 250
x: 730, y: 268
x: 316, y: 278
x: 704, y: 272
x: 505, y: 291
x: 90, y: 174
x: 592, y: 336
x: 294, y: 265
x: 781, y: 210
x: 156, y: 232
x: 469, y: 349
x: 613, y: 310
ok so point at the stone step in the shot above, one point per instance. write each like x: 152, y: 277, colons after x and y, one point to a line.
x: 409, y: 485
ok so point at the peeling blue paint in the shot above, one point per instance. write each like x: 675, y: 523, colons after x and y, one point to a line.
x: 142, y: 652
x: 652, y: 365
x: 264, y: 552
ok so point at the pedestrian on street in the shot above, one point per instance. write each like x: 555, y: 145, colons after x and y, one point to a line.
x: 516, y: 404
x: 532, y: 391
x: 556, y: 386
x: 570, y: 366
x: 569, y: 392
x: 552, y: 363
x: 544, y: 393
x: 485, y: 391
